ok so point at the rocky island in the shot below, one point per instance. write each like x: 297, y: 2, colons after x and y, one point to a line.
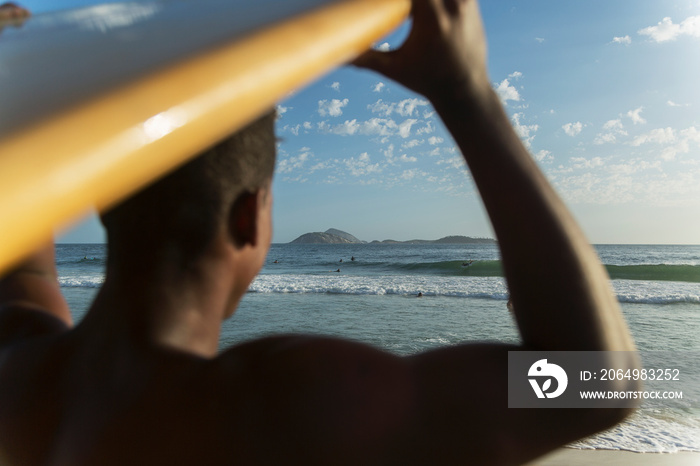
x: 334, y: 236
x: 331, y: 236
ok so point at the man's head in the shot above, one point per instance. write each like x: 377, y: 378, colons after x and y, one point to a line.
x: 176, y: 218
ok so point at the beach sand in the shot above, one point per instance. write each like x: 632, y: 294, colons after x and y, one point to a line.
x: 573, y: 457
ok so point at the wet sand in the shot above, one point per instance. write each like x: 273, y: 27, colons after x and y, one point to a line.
x: 572, y: 457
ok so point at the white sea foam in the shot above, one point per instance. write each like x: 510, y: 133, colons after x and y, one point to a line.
x: 461, y: 287
x: 648, y: 292
x: 81, y: 281
x: 627, y: 291
x: 643, y: 433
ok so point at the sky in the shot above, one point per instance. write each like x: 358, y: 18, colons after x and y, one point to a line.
x: 604, y: 94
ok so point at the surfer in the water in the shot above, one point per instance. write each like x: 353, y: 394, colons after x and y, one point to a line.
x: 141, y: 379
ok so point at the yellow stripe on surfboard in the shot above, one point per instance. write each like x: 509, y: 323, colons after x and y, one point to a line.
x: 98, y: 152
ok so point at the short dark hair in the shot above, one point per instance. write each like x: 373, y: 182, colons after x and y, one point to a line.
x: 181, y: 213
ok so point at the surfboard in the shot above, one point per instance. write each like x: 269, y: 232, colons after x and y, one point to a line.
x: 97, y: 102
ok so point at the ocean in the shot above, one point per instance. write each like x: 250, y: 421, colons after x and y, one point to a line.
x: 373, y: 299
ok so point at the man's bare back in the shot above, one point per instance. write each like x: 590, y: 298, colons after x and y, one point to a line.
x: 139, y: 380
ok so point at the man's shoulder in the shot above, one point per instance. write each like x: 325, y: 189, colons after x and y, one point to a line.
x: 302, y: 350
x: 21, y: 321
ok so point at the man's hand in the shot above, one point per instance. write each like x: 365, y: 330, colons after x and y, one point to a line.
x: 446, y: 50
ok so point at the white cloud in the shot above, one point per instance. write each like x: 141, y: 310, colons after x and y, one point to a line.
x: 406, y: 158
x: 636, y: 117
x: 389, y: 154
x: 333, y: 108
x: 427, y: 129
x: 624, y: 40
x: 666, y: 30
x: 671, y: 103
x: 435, y: 140
x: 362, y: 165
x: 405, y: 108
x: 515, y: 75
x: 409, y: 174
x: 628, y: 181
x: 378, y: 126
x: 412, y: 143
x: 381, y: 107
x: 335, y: 86
x: 507, y: 92
x: 656, y: 136
x: 523, y: 131
x: 293, y: 163
x: 405, y: 128
x: 378, y: 87
x: 573, y: 129
x: 320, y: 166
x: 292, y: 129
x: 371, y: 127
x: 581, y: 163
x: 348, y: 128
x: 543, y: 156
x: 605, y: 138
x: 281, y: 110
x: 613, y: 129
x: 683, y: 142
x: 539, y: 39
x: 691, y: 134
x: 384, y: 47
x: 615, y: 125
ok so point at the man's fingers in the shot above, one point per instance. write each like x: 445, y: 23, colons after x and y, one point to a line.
x: 376, y: 61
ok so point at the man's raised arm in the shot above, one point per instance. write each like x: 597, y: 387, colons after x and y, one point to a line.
x: 31, y: 302
x: 560, y: 291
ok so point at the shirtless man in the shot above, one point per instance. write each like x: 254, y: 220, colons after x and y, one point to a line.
x: 139, y: 380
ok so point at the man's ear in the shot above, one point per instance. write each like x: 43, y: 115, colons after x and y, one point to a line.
x: 243, y: 220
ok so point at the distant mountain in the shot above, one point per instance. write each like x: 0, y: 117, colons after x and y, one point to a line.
x: 445, y: 240
x: 464, y: 240
x: 333, y: 236
x: 342, y: 234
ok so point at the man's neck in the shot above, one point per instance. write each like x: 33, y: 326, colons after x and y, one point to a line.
x: 174, y: 310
